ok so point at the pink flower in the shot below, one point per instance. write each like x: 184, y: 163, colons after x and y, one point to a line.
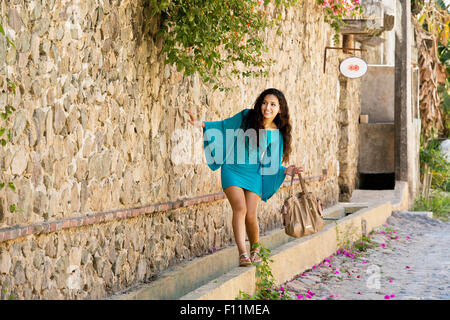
x: 390, y: 281
x: 407, y: 237
x: 331, y: 295
x: 383, y: 245
x: 336, y: 272
x: 314, y: 267
x: 392, y: 295
x: 407, y: 267
x: 310, y: 293
x: 299, y: 296
x: 359, y: 292
x: 364, y: 261
x: 358, y: 276
x: 308, y: 296
x: 386, y: 296
x: 324, y: 298
x: 303, y: 275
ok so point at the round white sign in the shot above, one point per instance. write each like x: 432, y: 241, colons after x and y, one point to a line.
x: 353, y: 67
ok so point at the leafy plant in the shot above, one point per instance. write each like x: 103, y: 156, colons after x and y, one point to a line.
x: 209, y: 37
x: 438, y: 202
x: 434, y: 164
x: 444, y: 90
x: 364, y: 244
x: 205, y: 36
x: 266, y: 288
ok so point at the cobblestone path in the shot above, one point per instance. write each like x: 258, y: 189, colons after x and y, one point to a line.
x: 409, y: 259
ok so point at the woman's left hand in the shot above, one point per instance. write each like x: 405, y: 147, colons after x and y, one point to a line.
x: 293, y: 170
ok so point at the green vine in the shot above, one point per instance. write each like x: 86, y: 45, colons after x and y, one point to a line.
x: 205, y: 36
x: 5, y: 114
x: 266, y: 288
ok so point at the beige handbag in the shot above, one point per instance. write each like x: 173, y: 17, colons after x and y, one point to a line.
x: 302, y: 213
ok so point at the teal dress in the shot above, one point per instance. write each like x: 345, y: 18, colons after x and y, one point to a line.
x: 242, y: 163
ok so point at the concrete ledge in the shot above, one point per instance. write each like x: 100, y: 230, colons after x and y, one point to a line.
x: 295, y: 256
x: 189, y: 275
x: 181, y: 279
x: 401, y: 200
x: 398, y: 197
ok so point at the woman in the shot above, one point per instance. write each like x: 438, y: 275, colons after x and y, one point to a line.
x: 249, y: 173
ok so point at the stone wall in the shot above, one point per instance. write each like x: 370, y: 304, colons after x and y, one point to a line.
x: 98, y: 117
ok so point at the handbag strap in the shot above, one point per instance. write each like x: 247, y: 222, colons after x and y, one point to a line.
x: 302, y: 183
x: 291, y: 191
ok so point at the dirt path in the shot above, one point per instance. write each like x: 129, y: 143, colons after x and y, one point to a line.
x: 410, y: 259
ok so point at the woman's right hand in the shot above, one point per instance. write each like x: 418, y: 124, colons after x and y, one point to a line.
x: 193, y: 121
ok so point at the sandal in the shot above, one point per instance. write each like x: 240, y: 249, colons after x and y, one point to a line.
x: 244, y: 260
x: 255, y: 257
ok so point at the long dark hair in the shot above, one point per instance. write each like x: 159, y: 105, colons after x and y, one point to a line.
x: 254, y: 120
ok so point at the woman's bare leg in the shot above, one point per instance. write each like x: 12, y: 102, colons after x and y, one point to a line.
x: 251, y: 219
x: 236, y: 197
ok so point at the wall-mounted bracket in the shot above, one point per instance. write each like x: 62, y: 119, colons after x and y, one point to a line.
x: 338, y: 48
